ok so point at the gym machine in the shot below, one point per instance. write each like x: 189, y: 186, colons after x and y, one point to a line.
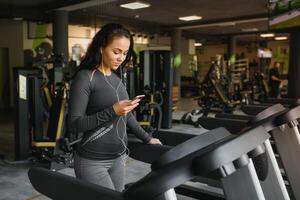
x: 284, y: 131
x: 214, y: 94
x: 253, y: 109
x: 272, y: 183
x: 229, y: 160
x: 235, y: 123
x: 39, y: 117
x: 154, y: 79
x: 287, y: 140
x: 214, y: 91
x: 28, y: 119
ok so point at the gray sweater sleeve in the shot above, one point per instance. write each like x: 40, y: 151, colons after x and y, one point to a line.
x: 137, y: 129
x: 78, y: 120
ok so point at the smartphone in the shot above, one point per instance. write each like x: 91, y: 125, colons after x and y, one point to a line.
x: 138, y: 97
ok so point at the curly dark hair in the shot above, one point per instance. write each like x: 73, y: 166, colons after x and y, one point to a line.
x: 104, y: 37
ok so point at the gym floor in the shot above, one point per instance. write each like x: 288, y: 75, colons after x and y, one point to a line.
x: 14, y: 181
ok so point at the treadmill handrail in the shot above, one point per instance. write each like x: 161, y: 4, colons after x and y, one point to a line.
x: 231, y: 150
x: 274, y: 109
x: 190, y: 146
x: 289, y: 116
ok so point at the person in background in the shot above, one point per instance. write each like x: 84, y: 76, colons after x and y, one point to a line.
x: 100, y: 109
x: 274, y: 80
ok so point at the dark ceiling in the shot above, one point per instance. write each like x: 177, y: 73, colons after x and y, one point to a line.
x: 221, y: 17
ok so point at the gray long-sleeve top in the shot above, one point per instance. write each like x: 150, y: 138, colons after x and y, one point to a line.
x: 92, y: 97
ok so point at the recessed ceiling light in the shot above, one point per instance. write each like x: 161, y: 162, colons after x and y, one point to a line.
x: 135, y: 5
x: 198, y: 44
x: 227, y: 24
x: 266, y: 35
x: 190, y: 18
x: 281, y: 38
x: 250, y: 29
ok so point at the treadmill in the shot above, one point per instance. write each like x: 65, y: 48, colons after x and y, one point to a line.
x: 229, y: 160
x: 285, y: 133
x: 253, y: 109
x: 272, y: 183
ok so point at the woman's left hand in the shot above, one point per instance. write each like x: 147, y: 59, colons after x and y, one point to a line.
x: 154, y: 141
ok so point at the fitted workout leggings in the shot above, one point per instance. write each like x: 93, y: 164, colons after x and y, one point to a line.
x: 107, y: 173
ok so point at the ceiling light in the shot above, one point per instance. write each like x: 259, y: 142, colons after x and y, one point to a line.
x: 206, y: 25
x: 249, y: 29
x: 190, y: 18
x: 135, y: 5
x: 226, y: 24
x: 266, y: 35
x: 281, y: 38
x: 198, y: 44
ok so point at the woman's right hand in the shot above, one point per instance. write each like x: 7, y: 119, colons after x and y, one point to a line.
x: 125, y: 106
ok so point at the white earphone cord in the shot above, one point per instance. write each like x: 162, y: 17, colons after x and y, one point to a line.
x: 125, y: 153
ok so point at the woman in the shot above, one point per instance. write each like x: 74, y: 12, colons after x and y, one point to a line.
x: 99, y: 107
